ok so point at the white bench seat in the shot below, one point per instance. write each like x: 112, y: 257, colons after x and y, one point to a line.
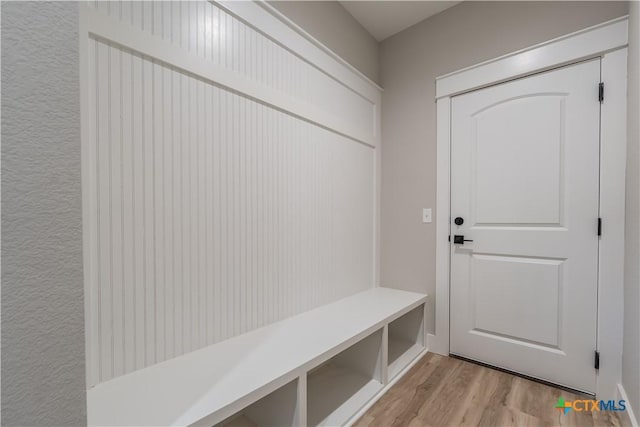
x: 208, y: 385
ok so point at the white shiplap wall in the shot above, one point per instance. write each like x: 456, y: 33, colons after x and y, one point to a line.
x: 209, y: 213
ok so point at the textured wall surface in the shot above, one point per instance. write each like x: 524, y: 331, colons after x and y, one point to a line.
x: 410, y: 62
x: 43, y: 363
x: 631, y: 341
x: 333, y: 26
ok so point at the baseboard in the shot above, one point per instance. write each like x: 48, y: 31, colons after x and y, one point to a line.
x: 386, y: 388
x: 437, y: 346
x: 628, y: 417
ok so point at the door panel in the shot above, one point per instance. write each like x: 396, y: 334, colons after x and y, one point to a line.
x: 515, y: 282
x: 525, y: 177
x: 531, y: 194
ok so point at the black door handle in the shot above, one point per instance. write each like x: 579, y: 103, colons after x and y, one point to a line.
x: 459, y: 240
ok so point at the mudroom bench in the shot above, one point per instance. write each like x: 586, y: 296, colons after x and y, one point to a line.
x: 320, y: 367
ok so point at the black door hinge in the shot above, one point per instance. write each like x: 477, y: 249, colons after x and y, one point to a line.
x: 449, y: 237
x: 601, y: 92
x: 596, y: 363
x: 599, y: 226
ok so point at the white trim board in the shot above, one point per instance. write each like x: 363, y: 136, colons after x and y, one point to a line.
x: 590, y: 42
x: 628, y: 414
x: 607, y: 41
x: 613, y: 154
x: 322, y: 57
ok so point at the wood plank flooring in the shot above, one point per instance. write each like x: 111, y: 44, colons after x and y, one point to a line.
x: 443, y: 391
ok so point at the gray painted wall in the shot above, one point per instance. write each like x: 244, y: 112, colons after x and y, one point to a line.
x: 631, y: 338
x: 43, y: 362
x: 333, y: 26
x: 410, y: 61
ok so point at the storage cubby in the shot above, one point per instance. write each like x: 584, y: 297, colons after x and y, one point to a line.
x: 277, y: 409
x: 338, y: 388
x: 406, y: 340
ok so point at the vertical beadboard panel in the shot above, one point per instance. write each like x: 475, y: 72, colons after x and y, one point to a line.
x: 217, y: 214
x: 212, y: 214
x: 196, y: 25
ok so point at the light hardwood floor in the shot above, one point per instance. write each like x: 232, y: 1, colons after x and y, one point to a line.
x: 443, y: 391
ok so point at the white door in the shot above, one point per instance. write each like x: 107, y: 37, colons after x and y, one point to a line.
x: 525, y: 181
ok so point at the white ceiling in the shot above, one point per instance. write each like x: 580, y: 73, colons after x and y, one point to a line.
x: 385, y: 18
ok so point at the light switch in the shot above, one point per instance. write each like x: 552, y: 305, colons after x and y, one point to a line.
x: 426, y: 215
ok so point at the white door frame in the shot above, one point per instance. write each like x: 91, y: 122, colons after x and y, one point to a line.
x: 609, y: 42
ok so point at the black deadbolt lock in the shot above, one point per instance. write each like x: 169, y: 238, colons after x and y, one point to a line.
x: 459, y: 221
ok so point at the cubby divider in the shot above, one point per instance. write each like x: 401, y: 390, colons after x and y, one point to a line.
x: 342, y: 385
x: 277, y: 409
x: 406, y: 340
